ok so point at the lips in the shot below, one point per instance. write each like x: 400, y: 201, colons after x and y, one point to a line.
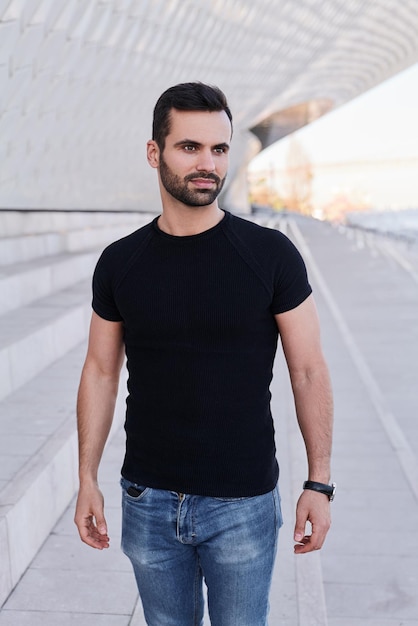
x: 203, y: 180
x: 203, y: 183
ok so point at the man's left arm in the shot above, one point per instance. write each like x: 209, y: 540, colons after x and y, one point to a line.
x: 300, y: 337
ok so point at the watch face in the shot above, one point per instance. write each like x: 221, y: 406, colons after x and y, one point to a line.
x: 334, y: 488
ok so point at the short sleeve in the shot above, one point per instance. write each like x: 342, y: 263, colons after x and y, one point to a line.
x: 103, y: 290
x: 291, y: 281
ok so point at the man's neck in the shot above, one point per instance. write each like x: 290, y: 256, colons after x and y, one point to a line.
x: 186, y: 221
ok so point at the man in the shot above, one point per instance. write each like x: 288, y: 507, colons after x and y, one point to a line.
x: 197, y: 300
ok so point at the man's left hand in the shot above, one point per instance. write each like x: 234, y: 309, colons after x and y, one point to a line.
x: 312, y: 507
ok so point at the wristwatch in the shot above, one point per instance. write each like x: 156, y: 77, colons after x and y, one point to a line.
x: 328, y: 490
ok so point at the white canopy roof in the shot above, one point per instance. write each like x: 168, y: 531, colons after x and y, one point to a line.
x: 79, y: 79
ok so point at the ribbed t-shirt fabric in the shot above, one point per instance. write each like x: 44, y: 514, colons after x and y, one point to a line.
x: 200, y: 339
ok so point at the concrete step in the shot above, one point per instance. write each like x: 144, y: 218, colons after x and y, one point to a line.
x: 24, y: 248
x: 23, y: 283
x: 38, y: 462
x: 34, y: 336
x: 19, y: 223
x: 46, y: 264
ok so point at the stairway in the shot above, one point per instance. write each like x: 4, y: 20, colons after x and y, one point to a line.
x: 46, y: 263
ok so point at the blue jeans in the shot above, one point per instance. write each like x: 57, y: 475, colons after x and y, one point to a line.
x: 175, y: 540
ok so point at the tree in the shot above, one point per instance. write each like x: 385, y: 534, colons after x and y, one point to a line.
x: 298, y: 179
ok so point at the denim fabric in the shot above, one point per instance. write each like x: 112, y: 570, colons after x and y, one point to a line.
x: 174, y: 541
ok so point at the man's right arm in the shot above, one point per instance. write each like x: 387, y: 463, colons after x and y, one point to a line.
x: 95, y: 407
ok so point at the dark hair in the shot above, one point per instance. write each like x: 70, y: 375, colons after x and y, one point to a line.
x: 185, y: 97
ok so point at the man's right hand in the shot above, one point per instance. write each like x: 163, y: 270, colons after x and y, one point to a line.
x: 89, y: 517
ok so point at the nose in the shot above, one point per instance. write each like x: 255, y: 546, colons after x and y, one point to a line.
x: 205, y: 162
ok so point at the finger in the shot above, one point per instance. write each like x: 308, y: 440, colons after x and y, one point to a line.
x: 100, y: 533
x: 101, y: 524
x: 300, y: 526
x: 89, y: 534
x: 95, y: 541
x: 310, y: 543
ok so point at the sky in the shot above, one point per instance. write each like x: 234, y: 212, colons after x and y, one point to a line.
x: 379, y: 125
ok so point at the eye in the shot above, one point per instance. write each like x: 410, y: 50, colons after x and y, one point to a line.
x: 220, y: 149
x: 190, y: 148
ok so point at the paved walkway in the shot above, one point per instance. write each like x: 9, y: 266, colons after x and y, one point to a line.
x: 367, y: 574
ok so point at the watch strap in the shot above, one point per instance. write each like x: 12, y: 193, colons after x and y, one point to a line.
x: 328, y: 490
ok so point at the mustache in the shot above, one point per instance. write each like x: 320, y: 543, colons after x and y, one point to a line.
x: 207, y: 175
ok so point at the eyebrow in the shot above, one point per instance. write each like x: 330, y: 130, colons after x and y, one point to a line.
x: 191, y: 142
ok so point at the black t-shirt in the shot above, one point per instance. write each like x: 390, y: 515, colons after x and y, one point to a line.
x: 200, y: 336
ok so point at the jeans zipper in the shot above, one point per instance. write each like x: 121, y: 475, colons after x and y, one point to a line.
x: 181, y: 498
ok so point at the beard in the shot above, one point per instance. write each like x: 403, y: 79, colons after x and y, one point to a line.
x: 178, y: 187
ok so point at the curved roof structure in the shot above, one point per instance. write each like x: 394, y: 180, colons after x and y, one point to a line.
x: 79, y: 79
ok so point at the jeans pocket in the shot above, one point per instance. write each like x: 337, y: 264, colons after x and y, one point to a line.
x: 132, y: 491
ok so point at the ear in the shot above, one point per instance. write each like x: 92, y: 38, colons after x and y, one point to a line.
x: 153, y: 153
